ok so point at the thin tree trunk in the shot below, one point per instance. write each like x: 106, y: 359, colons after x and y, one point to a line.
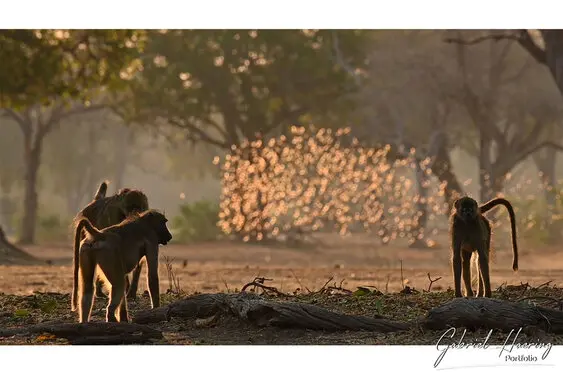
x: 7, y: 210
x: 442, y: 169
x: 32, y: 161
x: 122, y: 156
x: 421, y: 208
x: 485, y: 169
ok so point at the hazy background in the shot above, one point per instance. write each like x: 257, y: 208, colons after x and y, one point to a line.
x: 480, y: 110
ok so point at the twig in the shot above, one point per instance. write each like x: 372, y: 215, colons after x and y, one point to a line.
x: 226, y: 285
x: 339, y: 288
x: 173, y: 280
x: 324, y: 286
x: 501, y: 286
x: 299, y: 281
x: 432, y: 281
x: 544, y: 284
x: 387, y: 284
x: 259, y: 282
x: 402, y: 278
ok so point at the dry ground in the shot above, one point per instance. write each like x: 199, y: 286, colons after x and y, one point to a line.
x: 358, y: 262
x: 32, y: 294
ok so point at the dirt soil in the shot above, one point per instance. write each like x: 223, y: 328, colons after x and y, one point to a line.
x: 40, y: 293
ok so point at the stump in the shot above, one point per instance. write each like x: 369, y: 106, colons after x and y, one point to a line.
x: 10, y: 254
x: 262, y: 312
x: 489, y: 313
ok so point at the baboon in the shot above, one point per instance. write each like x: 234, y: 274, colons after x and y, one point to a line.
x: 102, y: 190
x: 105, y: 211
x: 470, y: 232
x: 116, y: 251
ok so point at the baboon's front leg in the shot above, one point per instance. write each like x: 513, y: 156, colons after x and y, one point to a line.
x: 456, y: 265
x: 152, y: 276
x: 466, y: 258
x: 133, y: 286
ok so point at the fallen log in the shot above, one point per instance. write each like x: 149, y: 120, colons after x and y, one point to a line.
x: 489, y: 313
x: 262, y: 312
x: 91, y: 333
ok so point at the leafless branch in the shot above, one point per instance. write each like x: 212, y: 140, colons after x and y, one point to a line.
x: 522, y: 37
x: 340, y: 59
x: 10, y: 113
x: 195, y: 134
x: 483, y: 38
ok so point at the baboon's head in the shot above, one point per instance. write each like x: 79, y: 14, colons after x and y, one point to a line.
x: 158, y: 222
x: 133, y: 200
x: 466, y: 208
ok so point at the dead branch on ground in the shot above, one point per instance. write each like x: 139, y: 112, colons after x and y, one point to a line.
x: 432, y: 281
x: 258, y: 282
x: 92, y: 333
x: 475, y: 313
x: 257, y: 310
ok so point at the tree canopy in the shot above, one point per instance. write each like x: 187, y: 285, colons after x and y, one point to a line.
x: 39, y: 66
x: 222, y: 86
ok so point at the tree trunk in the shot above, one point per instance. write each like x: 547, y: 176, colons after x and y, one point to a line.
x: 545, y: 161
x: 32, y: 156
x: 421, y: 208
x: 11, y: 254
x: 442, y: 169
x: 485, y: 168
x: 121, y: 156
x: 7, y: 210
x: 554, y: 55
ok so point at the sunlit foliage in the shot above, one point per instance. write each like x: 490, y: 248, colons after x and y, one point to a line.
x: 313, y: 180
x: 39, y: 66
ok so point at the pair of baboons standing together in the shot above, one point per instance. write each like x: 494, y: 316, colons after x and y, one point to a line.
x: 116, y: 234
x: 131, y: 232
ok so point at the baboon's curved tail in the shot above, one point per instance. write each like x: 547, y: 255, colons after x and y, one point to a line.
x: 501, y: 201
x: 84, y: 223
x: 102, y: 190
x: 77, y: 232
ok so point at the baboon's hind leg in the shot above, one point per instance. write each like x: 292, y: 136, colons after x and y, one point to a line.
x: 484, y: 270
x: 100, y: 289
x: 123, y: 313
x: 481, y: 290
x: 86, y: 277
x: 116, y: 297
x: 115, y: 277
